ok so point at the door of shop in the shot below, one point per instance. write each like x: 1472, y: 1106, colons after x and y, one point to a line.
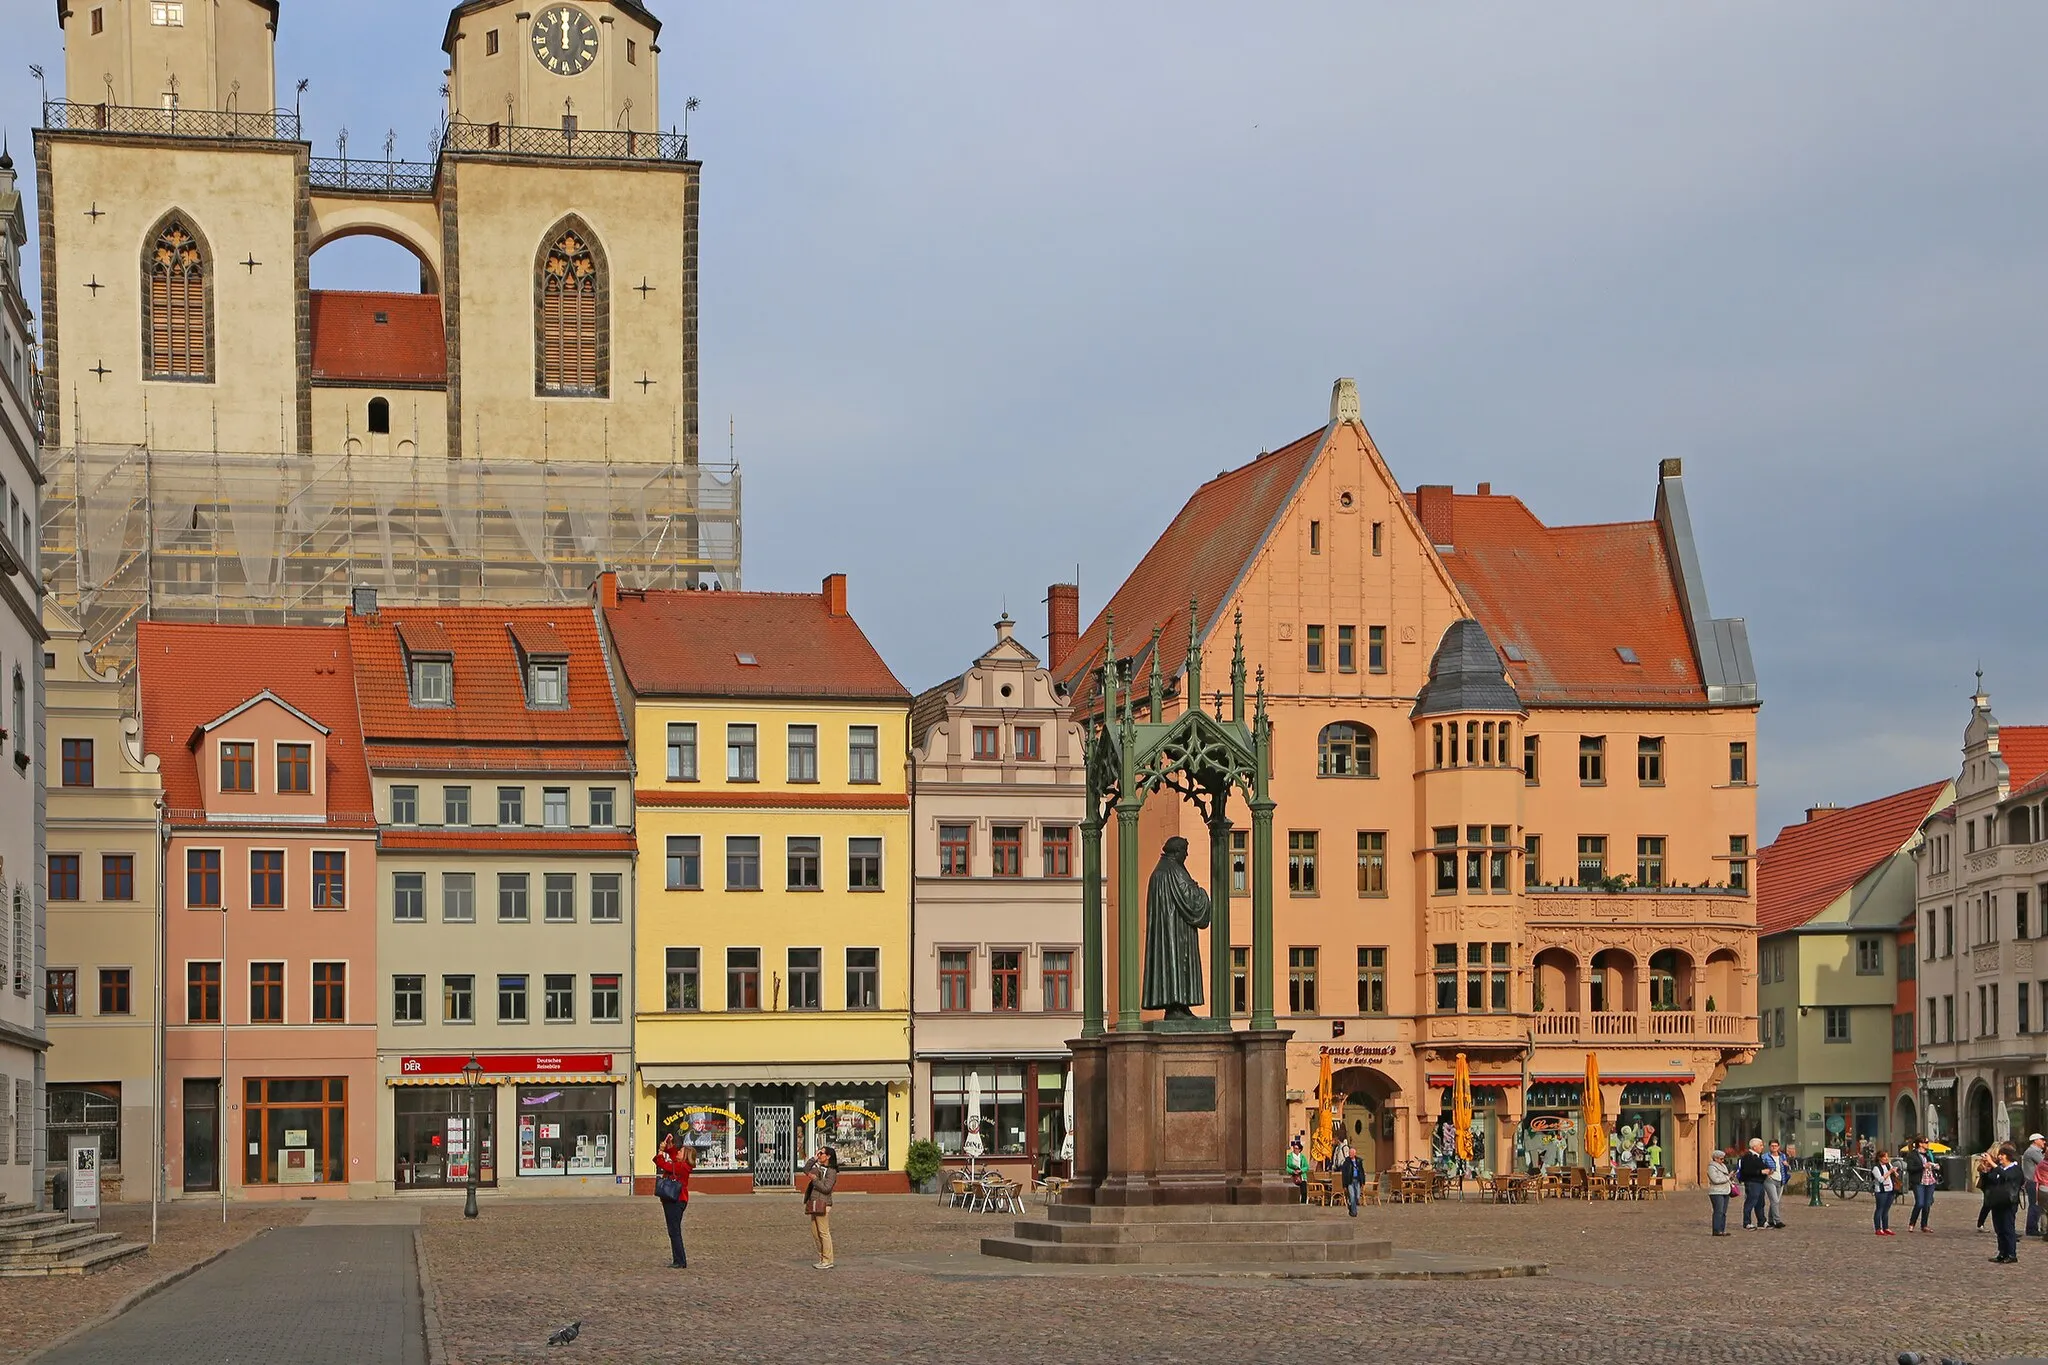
x: 774, y: 1145
x: 202, y: 1136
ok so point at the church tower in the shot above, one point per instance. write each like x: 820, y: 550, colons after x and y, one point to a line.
x: 533, y: 403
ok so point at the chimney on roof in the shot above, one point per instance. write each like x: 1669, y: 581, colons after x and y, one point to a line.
x: 1814, y: 813
x: 1433, y: 510
x: 1062, y: 623
x: 835, y: 594
x: 607, y: 588
x: 362, y: 601
x: 1344, y: 402
x: 1485, y: 490
x: 1670, y: 469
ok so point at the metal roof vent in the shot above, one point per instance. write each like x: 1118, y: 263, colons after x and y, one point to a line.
x: 1628, y: 656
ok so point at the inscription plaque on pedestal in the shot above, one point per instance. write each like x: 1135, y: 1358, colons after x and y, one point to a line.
x: 1190, y: 1094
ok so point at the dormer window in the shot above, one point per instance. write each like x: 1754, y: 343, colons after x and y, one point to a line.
x: 433, y: 682
x: 547, y: 683
x: 237, y: 767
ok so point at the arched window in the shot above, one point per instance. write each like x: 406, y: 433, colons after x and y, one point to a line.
x: 380, y: 417
x: 178, y: 300
x: 570, y: 349
x: 1345, y: 750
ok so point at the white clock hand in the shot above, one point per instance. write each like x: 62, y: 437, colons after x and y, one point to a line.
x: 565, y: 28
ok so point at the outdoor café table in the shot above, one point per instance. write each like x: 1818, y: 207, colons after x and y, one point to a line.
x: 1322, y: 1189
x: 1502, y: 1188
x: 1414, y: 1188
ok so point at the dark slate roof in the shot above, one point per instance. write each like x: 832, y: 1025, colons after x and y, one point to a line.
x: 1466, y: 675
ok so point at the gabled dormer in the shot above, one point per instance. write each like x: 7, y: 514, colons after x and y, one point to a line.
x: 543, y: 664
x: 429, y: 663
x: 264, y: 758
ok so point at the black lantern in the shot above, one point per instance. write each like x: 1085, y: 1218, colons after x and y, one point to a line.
x: 472, y: 1077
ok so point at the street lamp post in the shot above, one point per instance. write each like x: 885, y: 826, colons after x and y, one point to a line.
x: 472, y: 1076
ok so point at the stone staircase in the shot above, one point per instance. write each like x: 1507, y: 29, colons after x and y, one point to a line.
x: 34, y: 1244
x: 1187, y: 1234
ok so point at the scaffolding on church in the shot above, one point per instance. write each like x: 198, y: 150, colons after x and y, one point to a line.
x: 131, y: 533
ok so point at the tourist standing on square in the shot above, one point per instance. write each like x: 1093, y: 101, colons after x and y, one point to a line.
x: 1920, y: 1178
x: 672, y: 1186
x: 1885, y: 1185
x: 1753, y: 1170
x: 2041, y: 1193
x: 2030, y: 1161
x: 1352, y: 1168
x: 1720, y: 1187
x: 2002, y: 1195
x: 1778, y: 1171
x: 823, y: 1170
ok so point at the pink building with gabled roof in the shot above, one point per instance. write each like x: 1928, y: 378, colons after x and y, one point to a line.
x: 269, y: 910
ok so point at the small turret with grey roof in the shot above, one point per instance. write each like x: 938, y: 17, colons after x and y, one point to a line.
x: 1466, y: 675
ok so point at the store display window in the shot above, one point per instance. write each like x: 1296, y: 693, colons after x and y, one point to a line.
x: 708, y: 1121
x: 1002, y: 1114
x: 565, y: 1130
x: 854, y: 1120
x: 431, y: 1128
x: 296, y: 1130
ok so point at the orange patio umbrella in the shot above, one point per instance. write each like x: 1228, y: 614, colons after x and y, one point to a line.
x: 1461, y: 1108
x: 1589, y: 1112
x: 1321, y: 1144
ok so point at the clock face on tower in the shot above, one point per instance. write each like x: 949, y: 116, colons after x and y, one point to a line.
x: 564, y: 39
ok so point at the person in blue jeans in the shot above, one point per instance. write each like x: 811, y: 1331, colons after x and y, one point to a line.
x: 1720, y: 1185
x: 1352, y: 1169
x: 1921, y: 1175
x: 1884, y: 1183
x: 1753, y: 1171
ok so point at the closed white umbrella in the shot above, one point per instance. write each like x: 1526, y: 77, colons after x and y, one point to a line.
x: 1067, y: 1143
x: 971, y: 1139
x: 2001, y: 1121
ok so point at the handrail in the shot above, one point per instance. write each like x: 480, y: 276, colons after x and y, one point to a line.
x: 74, y: 116
x: 391, y: 177
x: 614, y: 144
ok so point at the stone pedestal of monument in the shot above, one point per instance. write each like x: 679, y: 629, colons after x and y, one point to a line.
x: 1169, y: 1116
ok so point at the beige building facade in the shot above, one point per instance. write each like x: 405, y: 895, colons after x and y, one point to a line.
x: 104, y: 841
x: 997, y: 807
x: 504, y: 899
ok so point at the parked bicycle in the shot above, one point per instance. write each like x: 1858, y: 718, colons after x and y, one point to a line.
x: 1846, y: 1180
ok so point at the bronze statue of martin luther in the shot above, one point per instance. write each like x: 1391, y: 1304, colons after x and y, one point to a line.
x: 1175, y: 908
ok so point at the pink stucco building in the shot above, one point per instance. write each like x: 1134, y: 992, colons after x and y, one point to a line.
x: 269, y: 910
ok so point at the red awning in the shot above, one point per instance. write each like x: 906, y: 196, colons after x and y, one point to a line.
x: 1441, y: 1080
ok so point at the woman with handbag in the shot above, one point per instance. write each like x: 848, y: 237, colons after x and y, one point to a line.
x: 672, y: 1186
x: 823, y: 1170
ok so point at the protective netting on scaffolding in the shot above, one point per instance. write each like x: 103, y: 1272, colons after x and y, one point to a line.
x: 130, y: 532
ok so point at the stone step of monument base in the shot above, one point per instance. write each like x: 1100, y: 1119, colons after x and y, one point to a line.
x: 1101, y: 1214
x: 1068, y: 1233
x: 1243, y: 1251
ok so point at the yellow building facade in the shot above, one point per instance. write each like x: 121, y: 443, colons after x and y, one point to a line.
x: 772, y: 947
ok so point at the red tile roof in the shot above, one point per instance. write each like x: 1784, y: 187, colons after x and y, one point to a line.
x: 503, y: 840
x: 490, y: 719
x: 501, y: 758
x: 1568, y: 598
x: 689, y: 644
x: 1201, y: 555
x: 191, y: 674
x: 2025, y: 751
x: 1808, y: 865
x: 351, y: 345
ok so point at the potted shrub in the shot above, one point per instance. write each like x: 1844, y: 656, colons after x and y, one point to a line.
x: 921, y: 1165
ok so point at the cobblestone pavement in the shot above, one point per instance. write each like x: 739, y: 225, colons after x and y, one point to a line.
x: 1633, y: 1284
x: 307, y: 1295
x: 34, y: 1313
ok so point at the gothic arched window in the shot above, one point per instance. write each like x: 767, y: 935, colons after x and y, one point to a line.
x: 178, y: 302
x: 571, y: 348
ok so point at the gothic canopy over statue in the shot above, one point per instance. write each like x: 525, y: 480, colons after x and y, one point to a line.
x: 1175, y: 907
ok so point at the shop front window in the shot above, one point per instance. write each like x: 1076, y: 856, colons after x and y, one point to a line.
x: 87, y: 1110
x: 431, y: 1130
x: 1851, y: 1121
x: 708, y: 1121
x: 1642, y: 1133
x: 296, y: 1131
x: 1001, y: 1115
x: 854, y: 1121
x: 565, y: 1130
x: 1551, y: 1132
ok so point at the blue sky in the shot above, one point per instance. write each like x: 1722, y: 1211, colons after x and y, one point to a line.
x: 988, y: 288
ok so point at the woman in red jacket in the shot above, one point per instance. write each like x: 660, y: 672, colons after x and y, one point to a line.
x: 672, y: 1184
